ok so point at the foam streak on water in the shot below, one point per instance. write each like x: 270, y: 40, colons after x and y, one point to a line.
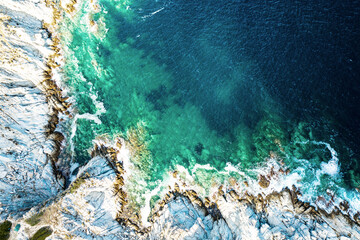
x: 211, y: 89
x: 92, y: 117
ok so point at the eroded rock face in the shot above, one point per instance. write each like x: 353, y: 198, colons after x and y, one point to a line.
x: 279, y: 218
x: 26, y: 174
x: 89, y: 209
x: 180, y: 219
x: 86, y: 210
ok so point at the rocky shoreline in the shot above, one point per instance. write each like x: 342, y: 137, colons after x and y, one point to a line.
x: 30, y: 104
x: 96, y: 206
x: 36, y: 201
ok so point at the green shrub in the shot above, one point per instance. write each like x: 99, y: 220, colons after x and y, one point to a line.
x: 42, y: 233
x: 5, y: 228
x: 35, y: 219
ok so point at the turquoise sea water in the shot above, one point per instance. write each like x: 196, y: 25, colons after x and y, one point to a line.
x: 218, y: 83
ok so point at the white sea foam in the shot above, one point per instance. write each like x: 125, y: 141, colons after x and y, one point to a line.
x: 332, y: 166
x: 310, y: 189
x: 146, y: 210
x: 100, y: 109
x: 153, y: 13
x: 278, y: 181
x: 227, y: 170
x: 306, y: 178
x: 199, y: 166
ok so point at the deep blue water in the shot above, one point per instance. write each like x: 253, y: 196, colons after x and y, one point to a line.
x: 303, y: 54
x: 218, y: 82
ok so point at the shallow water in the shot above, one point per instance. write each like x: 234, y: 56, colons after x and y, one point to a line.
x: 218, y: 83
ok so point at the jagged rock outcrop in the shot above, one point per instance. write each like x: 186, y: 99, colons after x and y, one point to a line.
x: 86, y: 210
x: 275, y: 217
x: 28, y: 145
x: 182, y: 219
x: 90, y: 207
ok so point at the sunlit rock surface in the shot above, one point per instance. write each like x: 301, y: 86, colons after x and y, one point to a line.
x: 279, y: 217
x: 26, y: 174
x: 88, y: 210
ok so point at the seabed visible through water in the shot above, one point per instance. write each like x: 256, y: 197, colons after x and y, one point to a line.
x: 217, y: 88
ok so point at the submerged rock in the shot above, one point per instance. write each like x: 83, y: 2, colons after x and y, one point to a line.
x: 263, y: 182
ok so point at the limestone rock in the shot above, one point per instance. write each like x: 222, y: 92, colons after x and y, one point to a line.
x: 26, y: 174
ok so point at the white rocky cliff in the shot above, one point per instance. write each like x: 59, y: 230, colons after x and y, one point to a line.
x: 26, y: 140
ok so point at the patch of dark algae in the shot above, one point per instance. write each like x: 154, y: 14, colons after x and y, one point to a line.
x: 42, y: 233
x: 5, y: 228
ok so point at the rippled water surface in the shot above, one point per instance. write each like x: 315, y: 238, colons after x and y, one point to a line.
x: 224, y: 83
